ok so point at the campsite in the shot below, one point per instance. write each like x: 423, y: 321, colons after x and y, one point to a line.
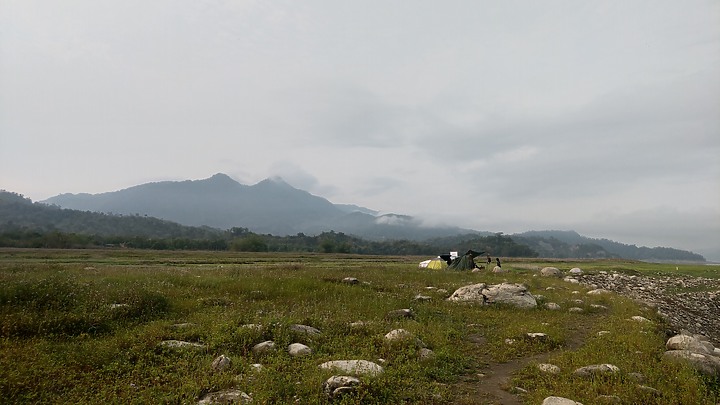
x: 191, y: 327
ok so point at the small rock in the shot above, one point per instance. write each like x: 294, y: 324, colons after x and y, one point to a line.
x: 422, y: 298
x: 221, y: 363
x: 575, y: 309
x: 552, y: 306
x: 640, y: 319
x: 179, y: 344
x: 264, y: 347
x: 308, y: 330
x: 363, y: 367
x: 596, y: 370
x: 225, y: 397
x: 598, y: 291
x: 548, y: 368
x: 559, y: 401
x: 426, y: 354
x: 608, y: 399
x: 351, y: 280
x: 338, y: 385
x: 576, y: 271
x: 299, y: 349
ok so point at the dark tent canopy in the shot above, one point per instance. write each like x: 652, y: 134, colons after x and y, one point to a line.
x: 466, y: 261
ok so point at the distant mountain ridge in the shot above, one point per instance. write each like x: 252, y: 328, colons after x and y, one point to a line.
x: 205, y: 200
x: 271, y: 206
x: 565, y: 244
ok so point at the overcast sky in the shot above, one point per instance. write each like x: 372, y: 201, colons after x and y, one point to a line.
x: 506, y: 116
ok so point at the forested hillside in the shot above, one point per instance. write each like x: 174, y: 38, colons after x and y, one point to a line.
x: 27, y: 224
x: 567, y: 244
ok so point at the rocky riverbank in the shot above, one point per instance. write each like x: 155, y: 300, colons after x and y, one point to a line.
x: 688, y: 303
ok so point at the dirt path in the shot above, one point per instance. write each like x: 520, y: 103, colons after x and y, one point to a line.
x: 492, y: 385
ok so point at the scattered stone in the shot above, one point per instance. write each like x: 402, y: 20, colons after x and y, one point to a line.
x: 598, y: 291
x: 422, y: 298
x: 548, y: 368
x: 649, y: 390
x: 426, y: 354
x: 596, y: 370
x: 537, y: 336
x: 339, y: 385
x: 252, y: 326
x: 559, y: 401
x: 351, y: 280
x: 116, y: 306
x: 603, y: 333
x: 518, y: 390
x: 399, y: 335
x: 637, y: 377
x: 640, y: 319
x: 299, y: 349
x: 678, y: 298
x: 571, y: 280
x: 550, y: 272
x: 257, y: 367
x: 598, y: 306
x: 179, y: 344
x: 362, y: 367
x: 221, y: 363
x: 576, y: 271
x: 225, y: 397
x: 264, y: 347
x: 575, y: 309
x: 552, y: 306
x: 308, y: 330
x: 184, y: 325
x: 498, y: 269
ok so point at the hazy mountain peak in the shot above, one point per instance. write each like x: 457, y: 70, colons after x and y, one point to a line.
x: 222, y: 178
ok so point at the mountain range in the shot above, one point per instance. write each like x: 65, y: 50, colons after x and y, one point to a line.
x: 199, y: 208
x: 269, y: 207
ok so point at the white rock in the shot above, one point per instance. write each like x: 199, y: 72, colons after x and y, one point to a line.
x: 559, y: 401
x: 598, y: 291
x: 549, y: 368
x: 309, y: 330
x: 179, y: 344
x: 264, y: 347
x: 225, y: 397
x: 299, y: 349
x: 339, y: 385
x: 640, y: 319
x: 362, y: 367
x: 596, y: 369
x: 550, y: 272
x: 576, y: 270
x: 552, y: 306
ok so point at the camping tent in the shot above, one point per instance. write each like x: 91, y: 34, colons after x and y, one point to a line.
x: 434, y: 264
x: 466, y: 261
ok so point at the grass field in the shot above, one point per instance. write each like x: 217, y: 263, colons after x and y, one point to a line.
x: 84, y: 326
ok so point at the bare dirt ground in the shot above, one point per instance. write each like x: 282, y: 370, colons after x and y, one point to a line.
x: 689, y: 304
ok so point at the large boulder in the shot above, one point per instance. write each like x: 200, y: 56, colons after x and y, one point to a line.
x: 516, y: 295
x: 550, y: 272
x: 705, y: 364
x: 470, y: 293
x: 506, y: 293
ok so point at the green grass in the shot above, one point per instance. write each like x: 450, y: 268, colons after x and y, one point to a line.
x: 83, y: 326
